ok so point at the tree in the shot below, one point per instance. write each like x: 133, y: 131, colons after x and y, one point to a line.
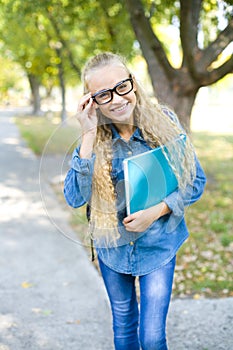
x: 11, y: 77
x: 27, y: 45
x: 58, y: 36
x: 71, y: 28
x: 177, y: 87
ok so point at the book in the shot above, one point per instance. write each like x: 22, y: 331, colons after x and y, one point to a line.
x: 149, y: 177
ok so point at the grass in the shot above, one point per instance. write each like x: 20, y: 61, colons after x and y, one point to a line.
x: 47, y: 135
x: 205, y: 261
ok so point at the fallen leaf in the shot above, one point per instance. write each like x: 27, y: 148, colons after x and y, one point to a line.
x: 196, y: 296
x: 73, y: 322
x: 26, y: 285
x: 47, y: 312
x: 36, y: 310
x: 42, y: 312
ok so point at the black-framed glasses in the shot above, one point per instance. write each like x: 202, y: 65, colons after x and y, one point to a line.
x: 105, y: 96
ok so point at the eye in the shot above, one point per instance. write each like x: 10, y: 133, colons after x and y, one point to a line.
x: 103, y: 95
x: 123, y: 86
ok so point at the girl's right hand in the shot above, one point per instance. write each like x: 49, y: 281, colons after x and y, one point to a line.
x: 86, y: 114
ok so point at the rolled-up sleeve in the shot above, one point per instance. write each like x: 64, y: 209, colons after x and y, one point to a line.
x: 177, y: 201
x: 78, y: 181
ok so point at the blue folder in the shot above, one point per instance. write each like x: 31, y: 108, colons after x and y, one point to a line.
x: 149, y: 178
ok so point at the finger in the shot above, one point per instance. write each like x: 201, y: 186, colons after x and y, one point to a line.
x: 84, y: 102
x: 90, y: 104
x: 128, y: 219
x: 133, y: 216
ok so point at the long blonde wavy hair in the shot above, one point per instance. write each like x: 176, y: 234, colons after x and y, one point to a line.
x: 156, y: 127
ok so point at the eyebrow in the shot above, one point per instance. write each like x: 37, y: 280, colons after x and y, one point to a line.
x: 107, y: 89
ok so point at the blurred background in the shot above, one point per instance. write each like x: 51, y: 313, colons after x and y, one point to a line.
x: 181, y: 52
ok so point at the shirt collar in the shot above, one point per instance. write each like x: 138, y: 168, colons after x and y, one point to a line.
x: 116, y: 136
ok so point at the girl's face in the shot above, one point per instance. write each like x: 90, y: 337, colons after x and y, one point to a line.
x: 120, y: 108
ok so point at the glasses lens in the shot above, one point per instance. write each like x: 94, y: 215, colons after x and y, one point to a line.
x: 103, y: 97
x: 125, y: 87
x: 121, y: 89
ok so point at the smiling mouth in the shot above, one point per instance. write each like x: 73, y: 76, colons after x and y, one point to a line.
x: 119, y: 109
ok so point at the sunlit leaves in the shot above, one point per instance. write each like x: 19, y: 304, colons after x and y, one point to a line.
x: 10, y: 78
x: 214, y: 16
x: 80, y: 28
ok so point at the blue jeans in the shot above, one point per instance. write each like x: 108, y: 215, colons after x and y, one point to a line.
x: 147, y: 329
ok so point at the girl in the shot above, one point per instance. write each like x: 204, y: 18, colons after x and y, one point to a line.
x: 118, y: 121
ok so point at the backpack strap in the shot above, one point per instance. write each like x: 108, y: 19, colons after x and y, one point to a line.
x: 88, y: 215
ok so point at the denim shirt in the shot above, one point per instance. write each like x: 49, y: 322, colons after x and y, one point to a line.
x: 136, y: 253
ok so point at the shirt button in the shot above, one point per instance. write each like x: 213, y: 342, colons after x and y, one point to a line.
x: 131, y: 243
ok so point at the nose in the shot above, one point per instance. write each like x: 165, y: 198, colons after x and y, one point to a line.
x: 116, y: 98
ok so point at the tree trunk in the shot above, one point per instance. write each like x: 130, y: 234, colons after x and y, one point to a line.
x: 62, y: 85
x: 178, y: 88
x: 173, y: 87
x: 182, y: 105
x: 63, y: 95
x: 35, y: 90
x: 177, y: 92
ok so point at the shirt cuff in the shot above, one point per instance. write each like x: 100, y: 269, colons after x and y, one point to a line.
x: 175, y: 203
x: 83, y: 166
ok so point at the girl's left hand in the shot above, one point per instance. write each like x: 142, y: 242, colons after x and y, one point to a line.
x: 141, y: 220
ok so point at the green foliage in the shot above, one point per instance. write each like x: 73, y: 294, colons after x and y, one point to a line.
x: 28, y: 46
x: 213, y: 18
x: 52, y: 39
x: 162, y: 12
x: 78, y: 29
x: 10, y: 77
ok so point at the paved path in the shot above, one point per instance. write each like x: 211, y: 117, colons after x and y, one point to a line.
x: 52, y: 297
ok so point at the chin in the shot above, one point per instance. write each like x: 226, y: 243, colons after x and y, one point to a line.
x: 123, y: 120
